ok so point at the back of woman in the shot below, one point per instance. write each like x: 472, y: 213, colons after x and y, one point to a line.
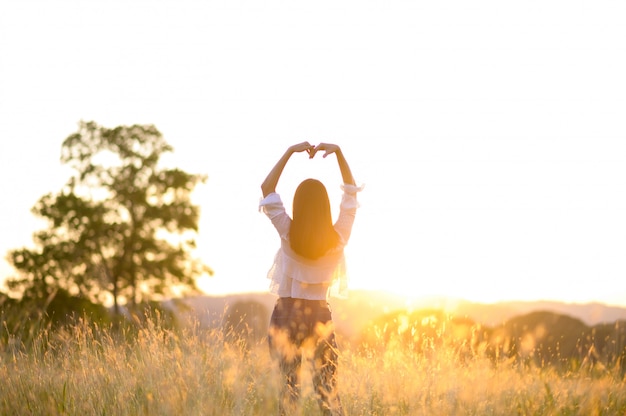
x: 307, y: 269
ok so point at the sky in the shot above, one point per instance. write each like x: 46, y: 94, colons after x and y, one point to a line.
x: 489, y: 135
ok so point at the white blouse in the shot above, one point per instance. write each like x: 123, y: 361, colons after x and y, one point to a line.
x: 292, y: 275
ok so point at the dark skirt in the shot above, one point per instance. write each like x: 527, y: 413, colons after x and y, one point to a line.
x: 301, y: 328
x: 302, y: 319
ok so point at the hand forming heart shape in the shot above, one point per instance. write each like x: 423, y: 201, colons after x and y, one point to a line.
x: 327, y: 147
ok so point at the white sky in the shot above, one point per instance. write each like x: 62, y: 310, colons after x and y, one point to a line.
x: 490, y: 135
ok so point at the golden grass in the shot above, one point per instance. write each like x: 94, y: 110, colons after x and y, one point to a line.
x: 85, y: 370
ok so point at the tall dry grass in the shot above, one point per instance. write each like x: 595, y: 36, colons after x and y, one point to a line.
x: 86, y: 370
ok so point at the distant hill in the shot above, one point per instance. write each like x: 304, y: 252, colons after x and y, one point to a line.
x: 209, y: 311
x: 538, y: 337
x: 352, y: 314
x: 493, y: 314
x: 543, y: 332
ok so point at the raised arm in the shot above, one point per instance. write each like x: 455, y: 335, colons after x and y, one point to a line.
x: 346, y: 173
x: 269, y: 184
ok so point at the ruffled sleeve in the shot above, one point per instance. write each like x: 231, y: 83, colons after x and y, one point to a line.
x: 348, y: 200
x: 273, y: 207
x: 347, y: 211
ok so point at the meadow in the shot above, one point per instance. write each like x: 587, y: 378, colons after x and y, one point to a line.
x: 155, y: 370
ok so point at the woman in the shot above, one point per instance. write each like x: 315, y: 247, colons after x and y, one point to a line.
x: 308, y: 268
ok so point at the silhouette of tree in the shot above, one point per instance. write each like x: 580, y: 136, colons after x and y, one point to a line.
x: 122, y: 228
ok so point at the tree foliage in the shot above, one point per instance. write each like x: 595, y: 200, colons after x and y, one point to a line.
x: 122, y: 228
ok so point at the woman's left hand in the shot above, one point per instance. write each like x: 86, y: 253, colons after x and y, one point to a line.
x: 328, y: 149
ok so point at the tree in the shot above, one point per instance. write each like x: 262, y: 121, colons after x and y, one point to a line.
x: 122, y: 228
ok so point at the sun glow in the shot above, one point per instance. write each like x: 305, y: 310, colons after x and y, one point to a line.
x: 476, y: 187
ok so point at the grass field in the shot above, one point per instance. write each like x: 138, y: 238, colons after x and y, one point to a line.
x: 85, y: 370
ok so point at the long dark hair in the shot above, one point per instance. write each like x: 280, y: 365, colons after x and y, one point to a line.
x: 312, y: 234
